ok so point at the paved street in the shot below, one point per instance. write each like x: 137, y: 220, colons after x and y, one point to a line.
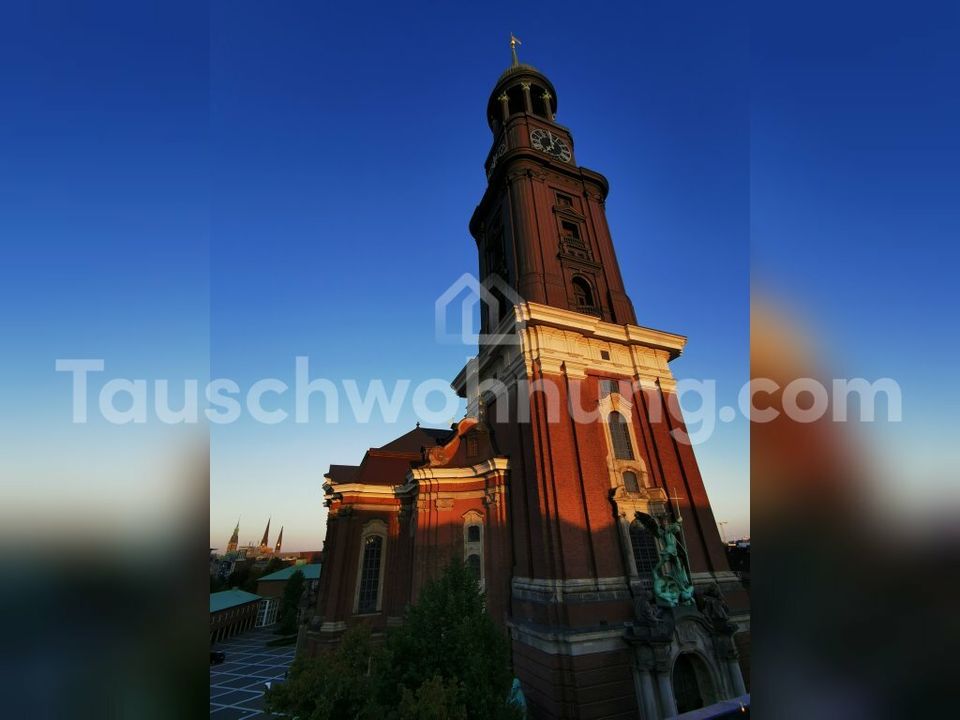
x: 236, y: 686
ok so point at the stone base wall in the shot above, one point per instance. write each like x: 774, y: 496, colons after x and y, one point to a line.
x: 595, y: 685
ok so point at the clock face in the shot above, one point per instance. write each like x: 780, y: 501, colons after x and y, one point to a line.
x: 546, y: 142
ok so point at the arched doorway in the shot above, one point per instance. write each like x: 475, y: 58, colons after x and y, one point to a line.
x: 692, y: 685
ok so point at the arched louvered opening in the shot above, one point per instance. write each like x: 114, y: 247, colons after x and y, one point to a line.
x: 620, y: 437
x: 583, y: 294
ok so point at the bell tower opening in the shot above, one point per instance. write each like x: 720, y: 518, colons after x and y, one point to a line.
x: 583, y: 295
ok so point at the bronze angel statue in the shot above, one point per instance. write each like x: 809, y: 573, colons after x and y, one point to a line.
x: 671, y: 582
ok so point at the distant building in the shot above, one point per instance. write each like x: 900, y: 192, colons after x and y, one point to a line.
x: 271, y: 588
x: 738, y: 555
x: 275, y: 583
x: 223, y: 565
x: 303, y: 556
x: 232, y: 612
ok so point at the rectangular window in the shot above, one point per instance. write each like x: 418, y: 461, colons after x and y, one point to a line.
x: 645, y: 553
x: 564, y: 201
x: 608, y: 387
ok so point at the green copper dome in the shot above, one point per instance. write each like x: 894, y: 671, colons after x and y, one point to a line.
x: 516, y: 69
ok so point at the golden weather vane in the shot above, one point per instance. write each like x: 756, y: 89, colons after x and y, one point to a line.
x: 514, y: 41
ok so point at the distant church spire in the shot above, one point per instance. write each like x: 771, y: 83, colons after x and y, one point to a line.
x: 235, y: 538
x: 265, y: 542
x: 276, y: 550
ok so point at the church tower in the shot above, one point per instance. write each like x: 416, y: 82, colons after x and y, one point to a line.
x: 234, y: 539
x: 265, y: 540
x: 276, y: 550
x: 541, y: 226
x: 616, y: 591
x: 569, y: 490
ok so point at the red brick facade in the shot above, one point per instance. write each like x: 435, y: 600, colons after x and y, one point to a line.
x: 541, y: 500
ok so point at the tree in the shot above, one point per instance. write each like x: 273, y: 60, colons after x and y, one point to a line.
x: 290, y: 604
x: 331, y: 686
x: 275, y: 564
x: 447, y: 661
x: 435, y: 699
x: 240, y: 577
x: 449, y: 635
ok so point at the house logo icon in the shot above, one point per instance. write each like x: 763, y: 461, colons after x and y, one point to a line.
x: 464, y: 295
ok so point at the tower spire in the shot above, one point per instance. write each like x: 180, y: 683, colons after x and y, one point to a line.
x: 235, y: 538
x: 514, y: 41
x: 265, y: 542
x: 276, y: 550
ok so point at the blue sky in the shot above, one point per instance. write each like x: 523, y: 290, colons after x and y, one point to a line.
x: 209, y: 194
x: 347, y: 159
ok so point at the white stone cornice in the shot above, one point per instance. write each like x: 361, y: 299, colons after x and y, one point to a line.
x: 497, y: 464
x: 445, y: 477
x: 384, y: 491
x: 530, y: 313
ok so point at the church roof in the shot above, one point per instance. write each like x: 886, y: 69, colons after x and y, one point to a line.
x: 516, y: 69
x: 343, y: 473
x: 230, y: 598
x: 417, y: 438
x: 389, y: 464
x: 310, y: 572
x: 519, y: 69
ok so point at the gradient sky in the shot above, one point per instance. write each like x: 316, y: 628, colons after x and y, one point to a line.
x: 209, y: 194
x: 212, y: 196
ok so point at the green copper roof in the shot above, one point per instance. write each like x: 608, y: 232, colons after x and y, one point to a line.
x: 230, y: 598
x: 518, y: 68
x: 310, y: 572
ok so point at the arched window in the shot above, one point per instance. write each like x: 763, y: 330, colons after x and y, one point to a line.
x: 620, y: 437
x: 582, y: 293
x: 369, y: 594
x: 473, y: 566
x: 473, y: 533
x: 517, y: 104
x: 645, y: 554
x: 539, y: 102
x: 692, y: 685
x: 630, y: 483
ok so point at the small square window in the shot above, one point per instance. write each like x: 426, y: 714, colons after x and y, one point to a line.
x: 604, y: 354
x: 564, y: 201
